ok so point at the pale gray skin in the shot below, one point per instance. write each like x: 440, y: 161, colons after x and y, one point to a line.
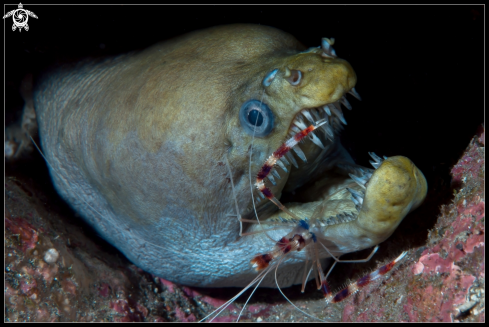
x: 137, y: 146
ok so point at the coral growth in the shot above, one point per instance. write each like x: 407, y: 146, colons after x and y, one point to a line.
x: 443, y: 280
x: 55, y: 272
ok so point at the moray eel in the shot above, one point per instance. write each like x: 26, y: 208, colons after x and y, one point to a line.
x: 138, y: 145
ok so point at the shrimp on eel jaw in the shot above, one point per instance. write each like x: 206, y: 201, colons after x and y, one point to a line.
x: 127, y: 122
x: 355, y: 208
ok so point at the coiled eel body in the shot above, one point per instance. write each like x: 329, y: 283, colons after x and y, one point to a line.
x: 137, y: 145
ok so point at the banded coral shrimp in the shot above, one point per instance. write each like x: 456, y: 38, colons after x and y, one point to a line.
x: 286, y: 227
x: 342, y: 232
x: 295, y: 78
x: 301, y: 237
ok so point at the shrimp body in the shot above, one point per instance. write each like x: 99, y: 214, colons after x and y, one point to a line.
x: 394, y: 188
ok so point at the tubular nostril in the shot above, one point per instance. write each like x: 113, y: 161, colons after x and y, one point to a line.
x: 269, y: 78
x: 326, y: 45
x: 295, y: 77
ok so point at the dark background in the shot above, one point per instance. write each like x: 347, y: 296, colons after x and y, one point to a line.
x: 419, y: 68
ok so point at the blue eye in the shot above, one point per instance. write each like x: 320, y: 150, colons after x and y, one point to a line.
x: 257, y: 116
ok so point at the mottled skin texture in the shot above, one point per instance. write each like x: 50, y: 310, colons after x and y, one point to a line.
x: 137, y: 146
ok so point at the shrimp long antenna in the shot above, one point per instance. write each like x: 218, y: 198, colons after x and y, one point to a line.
x: 223, y: 307
x: 249, y: 173
x: 265, y: 230
x: 234, y: 195
x: 42, y: 154
x: 280, y: 290
x: 249, y: 297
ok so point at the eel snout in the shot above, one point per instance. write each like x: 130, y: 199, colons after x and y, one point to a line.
x: 309, y: 86
x: 396, y: 188
x: 387, y: 195
x: 378, y: 202
x: 310, y: 79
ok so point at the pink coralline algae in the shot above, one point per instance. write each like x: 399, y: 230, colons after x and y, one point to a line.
x: 443, y: 280
x: 169, y: 285
x: 25, y: 232
x: 183, y: 317
x: 129, y: 310
x: 54, y: 272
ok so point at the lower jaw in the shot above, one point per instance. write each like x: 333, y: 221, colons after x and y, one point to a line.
x: 298, y: 183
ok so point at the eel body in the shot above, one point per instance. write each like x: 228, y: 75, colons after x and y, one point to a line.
x: 139, y: 145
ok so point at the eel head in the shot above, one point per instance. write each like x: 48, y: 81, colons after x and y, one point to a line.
x: 348, y: 213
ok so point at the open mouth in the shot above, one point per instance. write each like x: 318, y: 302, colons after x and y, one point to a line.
x: 320, y: 125
x: 333, y: 115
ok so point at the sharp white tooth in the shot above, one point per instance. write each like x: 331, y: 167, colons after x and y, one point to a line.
x: 357, y: 197
x: 281, y: 165
x: 296, y: 129
x: 275, y: 173
x: 375, y: 164
x: 355, y: 94
x: 316, y: 140
x: 271, y: 179
x: 327, y: 110
x: 284, y: 161
x: 329, y: 131
x: 360, y: 181
x: 317, y: 115
x: 337, y: 105
x: 337, y: 125
x: 292, y: 159
x: 300, y: 124
x: 355, y: 201
x: 375, y: 157
x: 334, y: 121
x: 345, y: 102
x: 307, y: 114
x: 338, y: 113
x: 334, y: 127
x: 299, y: 152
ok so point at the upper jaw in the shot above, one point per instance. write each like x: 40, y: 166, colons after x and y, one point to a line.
x: 308, y: 155
x: 322, y: 139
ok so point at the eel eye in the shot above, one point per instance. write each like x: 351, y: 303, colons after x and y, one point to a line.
x: 256, y: 116
x: 295, y: 77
